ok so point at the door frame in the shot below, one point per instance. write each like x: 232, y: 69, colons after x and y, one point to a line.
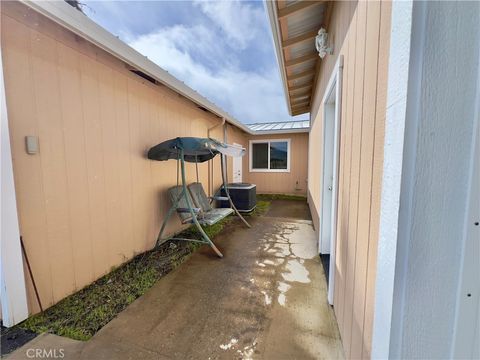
x: 334, y: 88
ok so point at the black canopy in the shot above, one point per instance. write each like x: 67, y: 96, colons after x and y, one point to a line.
x: 194, y: 149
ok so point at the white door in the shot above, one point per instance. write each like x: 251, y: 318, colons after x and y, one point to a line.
x: 237, y: 168
x: 328, y: 178
x: 331, y: 132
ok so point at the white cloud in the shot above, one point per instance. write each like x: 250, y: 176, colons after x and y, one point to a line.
x: 249, y: 96
x: 240, y: 22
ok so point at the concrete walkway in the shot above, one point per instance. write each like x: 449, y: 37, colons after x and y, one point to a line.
x: 266, y: 299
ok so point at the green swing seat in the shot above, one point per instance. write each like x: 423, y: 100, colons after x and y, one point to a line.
x: 205, y: 212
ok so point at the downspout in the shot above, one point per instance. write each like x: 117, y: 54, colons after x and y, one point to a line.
x: 225, y: 140
x: 210, y: 167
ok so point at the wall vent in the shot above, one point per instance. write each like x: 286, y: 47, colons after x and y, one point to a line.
x: 145, y: 76
x: 202, y: 108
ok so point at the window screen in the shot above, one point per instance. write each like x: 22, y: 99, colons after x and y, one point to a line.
x: 278, y: 155
x: 260, y: 156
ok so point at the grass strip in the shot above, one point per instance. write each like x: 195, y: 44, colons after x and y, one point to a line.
x: 270, y: 197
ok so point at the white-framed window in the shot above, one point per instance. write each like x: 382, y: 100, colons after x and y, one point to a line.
x: 269, y: 155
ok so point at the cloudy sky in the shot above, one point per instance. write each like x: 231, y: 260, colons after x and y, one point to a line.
x: 224, y: 50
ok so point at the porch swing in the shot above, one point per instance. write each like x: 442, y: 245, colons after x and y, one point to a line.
x: 190, y: 202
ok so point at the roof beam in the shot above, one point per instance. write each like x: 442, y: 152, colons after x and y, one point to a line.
x: 301, y: 59
x: 300, y: 38
x: 299, y: 92
x: 301, y: 111
x: 299, y: 100
x: 300, y: 75
x: 296, y: 101
x: 298, y: 87
x: 300, y: 107
x: 298, y: 6
x: 296, y: 96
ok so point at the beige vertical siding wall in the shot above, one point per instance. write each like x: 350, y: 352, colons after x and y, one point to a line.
x: 293, y: 182
x: 361, y: 34
x: 90, y: 200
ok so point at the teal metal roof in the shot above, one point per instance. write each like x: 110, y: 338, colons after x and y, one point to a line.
x: 281, y: 126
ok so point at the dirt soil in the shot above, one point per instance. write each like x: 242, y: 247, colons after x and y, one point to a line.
x: 13, y: 338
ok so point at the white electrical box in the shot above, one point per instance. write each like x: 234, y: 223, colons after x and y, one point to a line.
x: 32, y: 144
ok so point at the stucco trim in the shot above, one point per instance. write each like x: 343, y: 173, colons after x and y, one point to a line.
x: 398, y: 73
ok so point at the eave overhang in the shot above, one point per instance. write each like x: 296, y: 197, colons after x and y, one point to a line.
x: 294, y: 26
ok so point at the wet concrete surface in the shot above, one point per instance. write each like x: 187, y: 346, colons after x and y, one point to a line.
x: 48, y: 346
x: 266, y: 299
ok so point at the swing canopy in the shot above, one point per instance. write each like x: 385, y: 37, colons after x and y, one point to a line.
x: 194, y: 149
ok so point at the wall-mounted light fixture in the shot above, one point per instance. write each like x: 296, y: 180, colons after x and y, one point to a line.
x: 321, y: 43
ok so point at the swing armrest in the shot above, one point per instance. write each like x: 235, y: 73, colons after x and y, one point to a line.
x: 219, y: 198
x: 187, y: 210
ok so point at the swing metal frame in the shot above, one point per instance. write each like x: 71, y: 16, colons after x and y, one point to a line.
x: 205, y: 239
